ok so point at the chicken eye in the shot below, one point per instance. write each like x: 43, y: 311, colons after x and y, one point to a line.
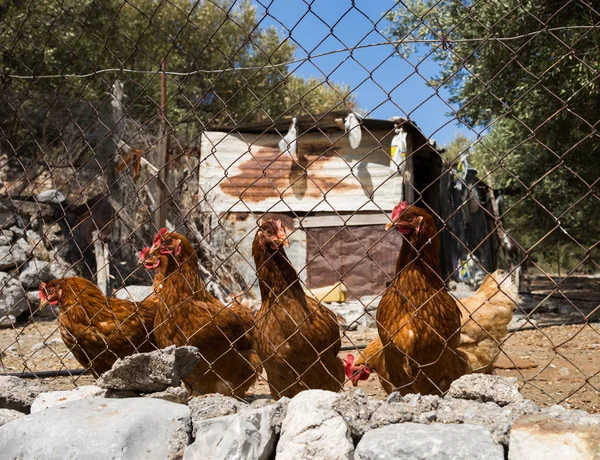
x: 409, y: 218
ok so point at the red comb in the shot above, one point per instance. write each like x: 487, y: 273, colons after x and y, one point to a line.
x: 42, y: 293
x: 159, y: 236
x: 399, y: 209
x: 349, y: 362
x: 144, y: 252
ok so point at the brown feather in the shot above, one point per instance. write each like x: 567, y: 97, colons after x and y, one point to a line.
x: 484, y: 322
x: 98, y: 330
x: 188, y: 314
x: 417, y: 319
x: 297, y: 338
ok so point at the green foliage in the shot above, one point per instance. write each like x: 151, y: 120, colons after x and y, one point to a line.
x: 46, y: 37
x: 524, y: 75
x: 456, y: 147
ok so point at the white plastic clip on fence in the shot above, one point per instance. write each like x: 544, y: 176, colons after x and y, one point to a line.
x: 289, y: 140
x: 398, y: 152
x: 352, y: 126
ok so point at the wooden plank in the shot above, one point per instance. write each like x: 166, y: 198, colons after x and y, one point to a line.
x: 163, y: 198
x: 341, y: 220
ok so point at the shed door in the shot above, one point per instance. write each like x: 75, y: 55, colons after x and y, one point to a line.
x: 364, y: 258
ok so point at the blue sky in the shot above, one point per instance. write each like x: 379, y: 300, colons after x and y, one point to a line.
x: 385, y: 85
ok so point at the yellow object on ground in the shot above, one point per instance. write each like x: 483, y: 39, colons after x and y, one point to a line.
x: 334, y: 293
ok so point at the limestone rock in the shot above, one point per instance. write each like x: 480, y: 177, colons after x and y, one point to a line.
x: 8, y: 415
x: 354, y: 314
x: 151, y: 372
x: 356, y: 409
x: 555, y: 433
x: 13, y: 300
x: 99, y: 428
x: 410, y: 408
x: 53, y: 398
x: 177, y: 395
x: 6, y: 237
x: 34, y: 272
x: 17, y: 394
x: 484, y: 388
x: 244, y: 436
x: 50, y: 196
x: 498, y: 420
x: 212, y: 406
x: 134, y: 293
x: 11, y: 256
x: 7, y: 321
x: 312, y: 429
x: 7, y: 217
x: 278, y: 414
x: 408, y: 441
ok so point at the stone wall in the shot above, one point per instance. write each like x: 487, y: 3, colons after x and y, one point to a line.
x: 32, y: 249
x: 481, y: 417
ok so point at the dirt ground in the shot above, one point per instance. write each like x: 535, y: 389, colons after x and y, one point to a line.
x: 556, y: 364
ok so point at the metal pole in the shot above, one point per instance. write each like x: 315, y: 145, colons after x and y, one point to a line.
x: 160, y: 215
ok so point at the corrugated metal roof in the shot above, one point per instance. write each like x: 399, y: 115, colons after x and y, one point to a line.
x: 246, y: 172
x: 323, y: 122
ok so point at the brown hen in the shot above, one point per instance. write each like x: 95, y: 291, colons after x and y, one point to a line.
x: 97, y: 329
x: 297, y: 338
x: 484, y: 324
x: 418, y: 321
x: 187, y: 314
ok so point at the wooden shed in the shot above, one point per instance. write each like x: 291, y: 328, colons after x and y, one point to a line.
x: 333, y: 199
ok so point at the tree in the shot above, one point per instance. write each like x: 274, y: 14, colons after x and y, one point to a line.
x: 207, y: 42
x: 524, y: 76
x: 456, y: 147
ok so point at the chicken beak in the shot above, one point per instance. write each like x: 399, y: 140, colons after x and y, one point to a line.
x: 389, y: 225
x: 283, y: 240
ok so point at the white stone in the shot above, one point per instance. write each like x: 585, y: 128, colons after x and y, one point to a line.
x: 6, y: 237
x: 567, y: 436
x: 53, y: 398
x: 8, y: 415
x: 134, y: 293
x: 17, y: 394
x: 99, y: 429
x: 312, y: 429
x: 408, y: 441
x: 7, y: 321
x: 151, y: 372
x: 34, y: 272
x: 354, y: 314
x: 244, y: 436
x: 50, y: 196
x: 13, y: 300
x: 11, y: 256
x: 485, y: 388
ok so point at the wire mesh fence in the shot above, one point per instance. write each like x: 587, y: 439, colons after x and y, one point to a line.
x: 203, y: 173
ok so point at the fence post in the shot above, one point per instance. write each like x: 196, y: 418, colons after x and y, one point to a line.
x: 160, y: 215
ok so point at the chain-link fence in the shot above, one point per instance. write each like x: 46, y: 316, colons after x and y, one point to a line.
x: 321, y: 235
